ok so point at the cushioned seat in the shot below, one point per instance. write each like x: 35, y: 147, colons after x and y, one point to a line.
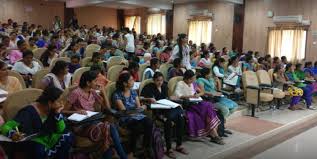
x: 279, y: 94
x: 266, y: 97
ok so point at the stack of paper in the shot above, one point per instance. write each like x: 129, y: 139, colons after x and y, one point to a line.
x: 164, y: 104
x: 80, y: 117
x: 3, y: 95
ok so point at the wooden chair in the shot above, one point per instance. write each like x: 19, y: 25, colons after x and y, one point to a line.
x: 66, y: 59
x: 77, y: 74
x: 253, y: 91
x: 114, y: 71
x: 37, y: 53
x: 18, y: 76
x: 85, y: 61
x: 142, y: 69
x: 144, y: 83
x: 172, y: 84
x: 38, y: 76
x: 19, y: 100
x: 115, y: 60
x: 164, y: 70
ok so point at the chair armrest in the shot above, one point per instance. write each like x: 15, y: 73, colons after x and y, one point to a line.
x: 253, y: 87
x: 266, y: 86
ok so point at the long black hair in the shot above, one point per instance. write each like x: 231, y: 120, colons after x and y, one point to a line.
x: 188, y: 74
x: 180, y: 45
x: 204, y: 72
x: 87, y: 76
x: 50, y: 94
x: 45, y: 56
x: 123, y: 78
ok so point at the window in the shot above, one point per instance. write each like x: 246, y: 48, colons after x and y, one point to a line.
x: 287, y: 42
x: 133, y: 22
x: 199, y: 31
x: 156, y: 23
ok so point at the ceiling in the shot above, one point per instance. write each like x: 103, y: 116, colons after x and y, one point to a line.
x: 131, y: 4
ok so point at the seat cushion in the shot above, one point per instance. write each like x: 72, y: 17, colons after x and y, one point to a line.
x: 266, y: 97
x: 279, y: 94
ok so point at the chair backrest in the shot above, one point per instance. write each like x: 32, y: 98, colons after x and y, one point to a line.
x: 249, y: 78
x: 77, y: 74
x: 109, y: 89
x: 85, y: 61
x: 37, y: 53
x: 142, y: 69
x: 93, y: 47
x: 66, y: 59
x: 143, y: 84
x: 172, y: 84
x: 18, y: 76
x: 114, y: 71
x: 164, y: 70
x: 271, y: 72
x: 38, y: 61
x: 65, y: 95
x: 115, y: 60
x: 89, y: 52
x: 263, y: 77
x: 18, y: 100
x: 38, y: 76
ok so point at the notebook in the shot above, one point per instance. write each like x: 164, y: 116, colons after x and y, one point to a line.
x: 80, y: 117
x: 164, y: 104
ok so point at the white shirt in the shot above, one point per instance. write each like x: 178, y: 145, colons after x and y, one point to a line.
x: 130, y: 43
x: 236, y: 70
x: 205, y: 62
x: 186, y: 56
x: 23, y: 69
x: 217, y: 72
x: 182, y: 89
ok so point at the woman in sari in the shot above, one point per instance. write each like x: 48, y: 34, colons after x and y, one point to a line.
x: 307, y: 88
x: 202, y: 117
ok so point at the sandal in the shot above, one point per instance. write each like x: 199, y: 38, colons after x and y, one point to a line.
x: 181, y: 150
x: 217, y: 140
x: 170, y: 154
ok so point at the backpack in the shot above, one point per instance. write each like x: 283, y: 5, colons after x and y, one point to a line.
x: 157, y: 143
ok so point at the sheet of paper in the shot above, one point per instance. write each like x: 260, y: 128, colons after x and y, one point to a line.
x: 136, y: 85
x: 81, y: 117
x: 160, y: 106
x: 168, y: 102
x: 3, y: 95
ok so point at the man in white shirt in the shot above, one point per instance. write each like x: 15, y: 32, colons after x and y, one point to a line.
x: 129, y: 43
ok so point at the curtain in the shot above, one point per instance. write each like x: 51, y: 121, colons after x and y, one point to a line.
x: 133, y: 22
x: 287, y: 42
x: 156, y: 23
x: 200, y: 31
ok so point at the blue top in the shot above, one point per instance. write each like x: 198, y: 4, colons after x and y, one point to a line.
x: 129, y: 103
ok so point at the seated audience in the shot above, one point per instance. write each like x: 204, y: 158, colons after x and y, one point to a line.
x: 202, y: 118
x: 49, y: 54
x: 96, y: 59
x: 126, y: 99
x: 101, y: 80
x: 8, y: 83
x: 57, y: 77
x: 156, y: 91
x: 16, y: 55
x: 133, y: 69
x: 83, y: 99
x: 276, y: 61
x: 281, y: 82
x: 44, y: 116
x: 248, y: 64
x: 166, y: 54
x: 307, y: 88
x: 176, y: 70
x: 205, y: 60
x: 154, y: 66
x: 27, y: 67
x: 74, y: 64
x: 72, y: 50
x: 235, y: 68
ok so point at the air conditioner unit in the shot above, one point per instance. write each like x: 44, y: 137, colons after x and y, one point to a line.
x: 204, y: 12
x: 288, y: 19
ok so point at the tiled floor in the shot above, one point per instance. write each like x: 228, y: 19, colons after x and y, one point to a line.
x: 245, y: 129
x: 302, y: 146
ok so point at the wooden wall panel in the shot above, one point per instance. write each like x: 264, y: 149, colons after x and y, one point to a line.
x: 32, y: 11
x: 257, y: 23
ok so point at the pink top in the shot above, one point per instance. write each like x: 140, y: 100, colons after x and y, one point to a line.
x: 80, y: 100
x: 14, y: 56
